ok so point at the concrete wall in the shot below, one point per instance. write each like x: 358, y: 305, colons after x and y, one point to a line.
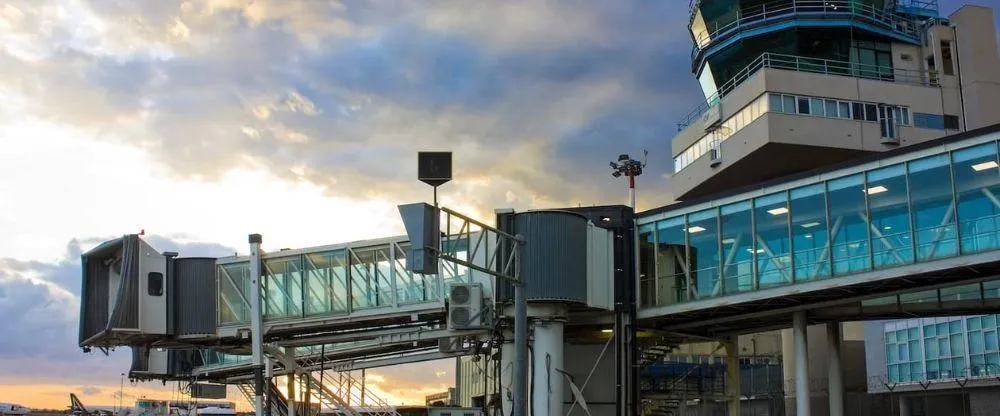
x: 979, y: 64
x: 875, y: 361
x: 852, y: 358
x: 600, y: 391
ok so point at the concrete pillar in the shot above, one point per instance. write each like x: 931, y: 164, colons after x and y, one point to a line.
x: 547, y: 362
x: 290, y: 385
x: 835, y: 375
x: 799, y: 334
x: 732, y: 375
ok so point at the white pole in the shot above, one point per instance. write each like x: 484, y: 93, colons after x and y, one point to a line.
x: 547, y: 359
x: 799, y: 332
x: 256, y: 323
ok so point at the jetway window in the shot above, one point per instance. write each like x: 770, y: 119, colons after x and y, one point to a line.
x: 671, y: 261
x: 738, y: 247
x: 933, y: 208
x: 977, y: 184
x: 810, y: 238
x: 772, y: 240
x: 703, y: 240
x: 886, y: 189
x: 154, y: 282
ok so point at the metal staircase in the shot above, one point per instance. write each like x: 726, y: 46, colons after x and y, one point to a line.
x: 353, y: 400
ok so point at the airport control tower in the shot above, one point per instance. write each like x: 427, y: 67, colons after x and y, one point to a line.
x: 792, y: 85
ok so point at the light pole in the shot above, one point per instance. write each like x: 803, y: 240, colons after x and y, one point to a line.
x: 626, y: 166
x: 121, y: 395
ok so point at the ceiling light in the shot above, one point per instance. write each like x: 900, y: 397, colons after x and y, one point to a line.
x: 778, y: 211
x: 876, y: 190
x: 808, y: 236
x: 695, y: 229
x: 758, y: 251
x: 607, y: 331
x: 810, y: 224
x: 729, y: 241
x: 979, y: 167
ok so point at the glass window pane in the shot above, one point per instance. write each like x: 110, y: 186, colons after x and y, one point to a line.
x: 931, y: 347
x: 788, y: 104
x: 929, y: 330
x: 955, y: 327
x: 957, y: 345
x: 816, y: 106
x: 989, y: 321
x: 703, y: 234
x: 831, y: 108
x: 737, y: 247
x: 282, y: 287
x: 848, y: 227
x: 990, y: 341
x: 772, y: 240
x: 803, y: 105
x: 890, y: 217
x: 976, y: 178
x: 871, y: 112
x: 976, y: 342
x: 671, y: 261
x: 647, y: 265
x: 809, y: 233
x: 933, y: 207
x: 915, y: 354
x: 973, y: 323
x: 326, y: 282
x: 844, y: 109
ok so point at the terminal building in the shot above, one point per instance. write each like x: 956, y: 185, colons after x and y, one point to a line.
x: 829, y: 247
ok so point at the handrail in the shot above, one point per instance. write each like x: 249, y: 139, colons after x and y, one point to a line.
x: 764, y: 12
x: 813, y: 65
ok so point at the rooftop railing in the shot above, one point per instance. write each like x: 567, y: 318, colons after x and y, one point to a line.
x: 813, y: 65
x: 759, y: 14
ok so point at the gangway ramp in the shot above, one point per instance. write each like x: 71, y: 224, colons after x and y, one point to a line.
x: 135, y: 295
x: 879, y: 234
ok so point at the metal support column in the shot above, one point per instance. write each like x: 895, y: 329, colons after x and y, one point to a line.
x: 733, y: 388
x: 799, y: 334
x: 256, y: 323
x: 519, y: 383
x: 290, y: 385
x: 834, y: 371
x: 547, y: 359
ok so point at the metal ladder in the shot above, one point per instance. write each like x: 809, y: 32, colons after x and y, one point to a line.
x: 350, y: 402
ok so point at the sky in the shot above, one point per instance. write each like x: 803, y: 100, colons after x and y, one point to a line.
x: 201, y: 121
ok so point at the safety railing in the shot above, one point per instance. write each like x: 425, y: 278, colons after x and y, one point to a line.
x: 811, y: 65
x: 758, y: 14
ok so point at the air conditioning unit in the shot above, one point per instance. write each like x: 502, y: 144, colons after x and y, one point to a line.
x: 465, y: 306
x: 715, y: 156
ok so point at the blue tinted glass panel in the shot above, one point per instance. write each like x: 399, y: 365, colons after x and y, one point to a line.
x: 737, y: 246
x: 810, y: 251
x: 933, y: 207
x: 772, y: 240
x: 890, y: 217
x: 647, y: 265
x: 977, y: 182
x: 671, y: 261
x: 703, y: 236
x: 848, y: 226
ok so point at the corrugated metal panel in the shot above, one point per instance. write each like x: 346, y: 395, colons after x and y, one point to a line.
x: 126, y: 311
x: 554, y: 257
x: 94, y: 291
x: 195, y: 297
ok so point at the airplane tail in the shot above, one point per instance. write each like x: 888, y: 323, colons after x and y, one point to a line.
x: 75, y: 405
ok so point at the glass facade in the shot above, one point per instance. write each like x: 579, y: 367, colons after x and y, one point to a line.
x: 332, y: 282
x: 916, y: 209
x: 889, y: 117
x: 942, y: 348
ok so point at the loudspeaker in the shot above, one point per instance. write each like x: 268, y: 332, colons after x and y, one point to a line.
x: 434, y: 168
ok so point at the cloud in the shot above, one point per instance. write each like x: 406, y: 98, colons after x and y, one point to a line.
x: 343, y: 94
x: 40, y: 305
x: 91, y: 390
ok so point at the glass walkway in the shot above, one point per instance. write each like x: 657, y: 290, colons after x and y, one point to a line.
x: 346, y: 280
x: 916, y: 205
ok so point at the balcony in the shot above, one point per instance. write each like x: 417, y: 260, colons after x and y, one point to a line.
x: 819, y: 13
x: 809, y: 65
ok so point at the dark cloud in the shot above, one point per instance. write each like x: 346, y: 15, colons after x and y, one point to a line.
x: 39, y: 303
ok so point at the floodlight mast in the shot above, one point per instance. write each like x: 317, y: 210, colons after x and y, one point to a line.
x: 630, y: 168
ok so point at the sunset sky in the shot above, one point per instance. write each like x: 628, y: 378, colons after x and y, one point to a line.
x: 202, y: 121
